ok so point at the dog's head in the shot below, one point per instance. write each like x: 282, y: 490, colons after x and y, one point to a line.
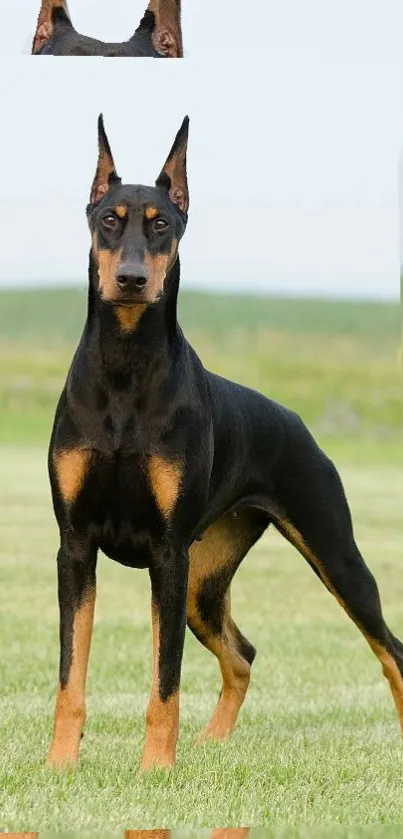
x: 159, y: 34
x: 136, y: 229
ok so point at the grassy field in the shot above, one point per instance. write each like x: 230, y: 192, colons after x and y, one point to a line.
x: 335, y: 363
x: 303, y: 832
x: 317, y: 742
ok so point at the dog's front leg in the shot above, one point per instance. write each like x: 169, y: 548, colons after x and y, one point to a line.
x: 169, y: 577
x: 76, y: 563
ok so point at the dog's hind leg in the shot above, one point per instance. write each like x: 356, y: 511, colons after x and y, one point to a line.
x: 213, y: 562
x: 317, y: 522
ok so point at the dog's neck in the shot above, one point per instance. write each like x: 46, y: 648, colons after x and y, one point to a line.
x: 132, y: 354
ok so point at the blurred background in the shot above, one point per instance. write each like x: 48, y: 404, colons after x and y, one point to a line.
x: 289, y: 832
x: 290, y: 263
x: 290, y: 284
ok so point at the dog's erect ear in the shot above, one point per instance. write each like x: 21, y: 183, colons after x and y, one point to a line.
x: 173, y: 175
x: 167, y: 34
x: 46, y: 22
x: 106, y: 175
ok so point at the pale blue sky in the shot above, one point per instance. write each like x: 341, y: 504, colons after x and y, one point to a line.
x: 293, y: 158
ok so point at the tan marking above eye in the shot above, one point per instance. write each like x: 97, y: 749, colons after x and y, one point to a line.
x: 165, y: 478
x: 151, y: 212
x: 71, y: 467
x: 121, y: 211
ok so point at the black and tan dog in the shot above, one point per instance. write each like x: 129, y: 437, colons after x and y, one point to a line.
x: 159, y: 34
x: 166, y: 466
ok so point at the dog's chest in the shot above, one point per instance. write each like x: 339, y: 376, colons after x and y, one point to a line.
x: 124, y: 500
x: 124, y: 424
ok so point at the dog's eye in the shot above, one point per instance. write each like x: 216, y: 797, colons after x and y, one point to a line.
x: 110, y: 221
x: 160, y: 224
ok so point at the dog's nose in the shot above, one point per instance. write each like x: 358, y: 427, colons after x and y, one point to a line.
x: 132, y: 277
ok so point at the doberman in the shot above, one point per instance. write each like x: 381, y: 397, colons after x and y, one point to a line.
x: 159, y: 34
x: 166, y: 466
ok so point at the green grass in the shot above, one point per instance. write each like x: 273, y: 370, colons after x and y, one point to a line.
x: 318, y: 743
x: 334, y: 362
x: 306, y: 832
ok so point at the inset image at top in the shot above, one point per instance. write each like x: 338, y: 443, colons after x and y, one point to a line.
x: 159, y: 34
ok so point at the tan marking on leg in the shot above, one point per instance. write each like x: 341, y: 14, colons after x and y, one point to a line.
x: 218, y: 550
x: 215, y: 551
x: 162, y: 718
x: 235, y: 672
x: 71, y: 467
x: 129, y: 316
x: 165, y: 478
x: 121, y: 211
x: 389, y: 666
x: 235, y: 682
x: 392, y: 674
x: 150, y: 213
x: 70, y: 704
x: 148, y: 834
x: 19, y: 835
x: 230, y: 833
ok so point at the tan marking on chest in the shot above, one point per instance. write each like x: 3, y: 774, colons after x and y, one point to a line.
x: 129, y: 316
x: 71, y: 467
x: 165, y: 478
